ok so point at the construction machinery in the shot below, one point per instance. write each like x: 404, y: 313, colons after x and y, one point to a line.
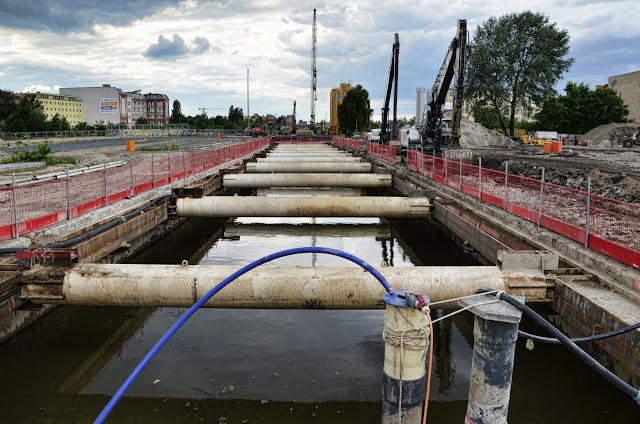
x: 454, y: 65
x: 314, y: 77
x: 392, y: 83
x: 265, y: 128
x: 632, y: 140
x: 294, y: 124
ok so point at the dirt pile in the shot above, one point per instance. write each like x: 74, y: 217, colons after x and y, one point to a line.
x: 616, y: 186
x: 608, y: 135
x: 474, y: 135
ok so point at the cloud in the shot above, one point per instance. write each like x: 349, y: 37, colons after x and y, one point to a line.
x: 201, y: 45
x: 167, y: 49
x: 73, y: 15
x: 33, y: 88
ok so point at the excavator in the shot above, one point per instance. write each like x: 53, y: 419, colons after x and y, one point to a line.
x: 392, y: 82
x: 434, y: 132
x: 265, y: 128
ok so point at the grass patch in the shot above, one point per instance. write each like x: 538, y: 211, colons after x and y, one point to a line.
x: 42, y: 154
x: 170, y: 146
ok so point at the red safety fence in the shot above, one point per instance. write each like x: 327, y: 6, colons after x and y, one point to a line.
x: 44, y: 203
x: 382, y: 151
x: 349, y: 143
x: 606, y: 225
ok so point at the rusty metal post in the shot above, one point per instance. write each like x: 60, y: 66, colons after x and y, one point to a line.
x: 132, y: 191
x: 106, y: 193
x: 506, y: 180
x: 153, y: 173
x: 480, y: 177
x: 586, y: 228
x: 68, y: 194
x: 169, y: 160
x: 495, y: 332
x: 541, y: 198
x: 404, y: 377
x: 15, y: 204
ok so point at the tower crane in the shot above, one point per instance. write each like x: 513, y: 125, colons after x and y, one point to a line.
x: 314, y: 80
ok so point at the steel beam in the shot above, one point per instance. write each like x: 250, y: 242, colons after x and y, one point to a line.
x: 307, y: 180
x: 264, y: 287
x: 231, y: 206
x: 306, y: 167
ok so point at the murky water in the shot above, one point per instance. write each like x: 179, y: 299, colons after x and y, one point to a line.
x: 273, y: 366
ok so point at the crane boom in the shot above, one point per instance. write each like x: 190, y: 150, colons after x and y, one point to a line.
x: 454, y: 65
x: 392, y: 82
x: 294, y: 125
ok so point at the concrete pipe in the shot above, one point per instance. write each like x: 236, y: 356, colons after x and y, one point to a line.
x: 308, y: 155
x: 304, y: 191
x: 309, y: 167
x: 264, y: 287
x: 307, y: 180
x: 378, y: 231
x: 310, y: 159
x: 231, y: 206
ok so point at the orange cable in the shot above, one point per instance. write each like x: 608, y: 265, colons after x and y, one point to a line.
x: 426, y: 398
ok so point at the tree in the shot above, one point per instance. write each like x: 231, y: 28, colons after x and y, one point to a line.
x: 27, y: 116
x: 355, y: 110
x: 581, y: 109
x: 176, y: 114
x: 7, y: 104
x: 515, y: 60
x: 142, y: 121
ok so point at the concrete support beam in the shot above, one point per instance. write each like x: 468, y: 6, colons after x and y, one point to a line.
x: 327, y: 155
x: 264, y: 287
x: 307, y: 180
x: 310, y: 159
x: 309, y: 167
x: 230, y: 206
x: 304, y: 191
x: 379, y: 231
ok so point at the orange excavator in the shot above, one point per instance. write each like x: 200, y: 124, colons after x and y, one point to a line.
x: 265, y: 128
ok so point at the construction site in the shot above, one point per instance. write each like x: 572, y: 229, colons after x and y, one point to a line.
x: 319, y: 278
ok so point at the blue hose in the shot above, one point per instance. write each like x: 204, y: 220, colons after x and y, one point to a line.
x: 165, y: 338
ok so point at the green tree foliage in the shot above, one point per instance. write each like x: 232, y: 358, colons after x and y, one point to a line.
x: 27, y: 116
x: 142, y: 121
x: 581, y: 109
x: 354, y: 110
x: 7, y: 105
x: 176, y: 113
x: 236, y: 117
x: 515, y: 59
x: 41, y: 154
x: 58, y: 123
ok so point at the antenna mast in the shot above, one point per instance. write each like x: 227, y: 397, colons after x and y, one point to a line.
x: 314, y: 80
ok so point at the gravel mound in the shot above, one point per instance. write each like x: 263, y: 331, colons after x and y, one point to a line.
x: 609, y: 134
x: 474, y: 135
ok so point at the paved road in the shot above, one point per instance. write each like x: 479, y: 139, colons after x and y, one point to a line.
x: 90, y: 144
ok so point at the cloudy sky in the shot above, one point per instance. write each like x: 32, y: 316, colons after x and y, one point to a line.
x: 198, y: 51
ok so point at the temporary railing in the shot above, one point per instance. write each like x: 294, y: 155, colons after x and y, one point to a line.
x: 606, y: 225
x: 349, y: 143
x: 29, y: 207
x: 382, y: 151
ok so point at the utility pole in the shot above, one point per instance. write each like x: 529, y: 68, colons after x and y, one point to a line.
x: 314, y: 97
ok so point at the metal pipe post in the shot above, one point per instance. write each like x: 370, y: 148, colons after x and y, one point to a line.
x: 506, y: 180
x: 480, y: 177
x: 169, y: 160
x: 15, y: 204
x: 541, y: 198
x: 586, y: 231
x: 153, y: 173
x: 445, y: 171
x: 184, y: 168
x: 68, y: 195
x: 460, y: 180
x: 495, y: 332
x: 132, y: 192
x: 106, y: 193
x: 406, y: 340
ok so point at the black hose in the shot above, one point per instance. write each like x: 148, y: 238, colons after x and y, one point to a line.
x: 608, y: 375
x: 603, y: 336
x: 98, y: 230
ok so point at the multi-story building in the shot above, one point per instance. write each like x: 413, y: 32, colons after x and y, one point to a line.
x: 628, y: 88
x: 69, y: 107
x: 336, y: 97
x: 111, y: 105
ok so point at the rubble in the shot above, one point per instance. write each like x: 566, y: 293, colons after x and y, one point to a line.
x: 608, y: 135
x: 474, y: 135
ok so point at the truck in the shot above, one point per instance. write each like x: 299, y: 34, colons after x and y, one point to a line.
x: 546, y: 135
x: 374, y: 136
x: 409, y: 138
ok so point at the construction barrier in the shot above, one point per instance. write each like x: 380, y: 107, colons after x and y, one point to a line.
x: 382, y: 151
x: 603, y: 224
x: 33, y: 206
x: 357, y: 145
